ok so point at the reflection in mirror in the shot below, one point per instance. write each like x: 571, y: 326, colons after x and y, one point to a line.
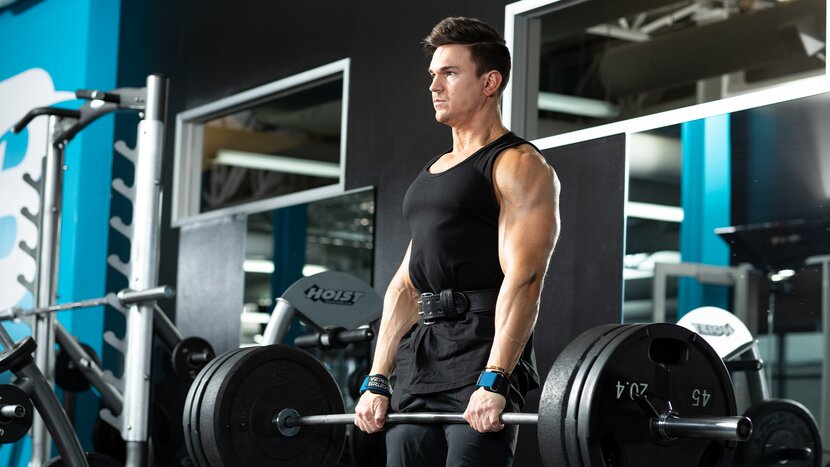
x: 591, y: 63
x: 776, y: 277
x: 282, y: 144
x: 653, y: 217
x: 283, y: 245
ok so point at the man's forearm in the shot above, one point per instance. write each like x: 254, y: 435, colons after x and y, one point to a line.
x: 399, y: 314
x: 516, y: 312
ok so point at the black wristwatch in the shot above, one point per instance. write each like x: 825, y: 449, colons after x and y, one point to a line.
x: 494, y: 381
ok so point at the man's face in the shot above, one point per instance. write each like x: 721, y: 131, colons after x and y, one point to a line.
x: 457, y: 92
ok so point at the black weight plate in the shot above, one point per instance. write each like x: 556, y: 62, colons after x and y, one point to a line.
x: 194, y: 393
x: 783, y: 431
x: 202, y: 439
x: 18, y: 356
x: 559, y: 381
x: 669, y: 364
x: 94, y: 459
x: 190, y: 414
x: 14, y: 428
x: 236, y: 415
x: 572, y: 402
x: 367, y: 449
x: 68, y: 376
x: 180, y: 357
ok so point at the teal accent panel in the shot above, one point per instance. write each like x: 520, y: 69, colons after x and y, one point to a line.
x: 705, y: 194
x: 290, y: 225
x: 76, y: 43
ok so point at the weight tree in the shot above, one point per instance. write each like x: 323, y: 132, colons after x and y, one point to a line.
x: 151, y: 102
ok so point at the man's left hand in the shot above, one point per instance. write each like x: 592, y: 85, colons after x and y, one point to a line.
x: 484, y: 411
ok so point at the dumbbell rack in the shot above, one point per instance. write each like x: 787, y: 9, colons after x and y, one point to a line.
x: 134, y: 384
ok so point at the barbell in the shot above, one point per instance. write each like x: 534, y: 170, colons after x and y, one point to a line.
x: 668, y: 426
x: 124, y: 297
x: 188, y: 354
x: 618, y: 395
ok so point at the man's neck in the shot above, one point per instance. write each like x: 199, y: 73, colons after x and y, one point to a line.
x: 471, y: 136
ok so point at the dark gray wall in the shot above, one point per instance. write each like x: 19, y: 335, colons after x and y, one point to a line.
x: 583, y: 287
x: 210, y: 282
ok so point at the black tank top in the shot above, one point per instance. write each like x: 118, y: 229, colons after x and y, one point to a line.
x: 454, y: 220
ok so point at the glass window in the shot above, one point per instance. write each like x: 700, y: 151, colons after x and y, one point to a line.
x: 276, y: 145
x: 653, y: 219
x: 580, y: 64
x: 283, y: 245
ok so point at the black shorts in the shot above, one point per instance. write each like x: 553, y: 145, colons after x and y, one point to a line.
x: 448, y: 445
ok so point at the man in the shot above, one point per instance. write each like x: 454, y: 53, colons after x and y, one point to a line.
x: 459, y: 313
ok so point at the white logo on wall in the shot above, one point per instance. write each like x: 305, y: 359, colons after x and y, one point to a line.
x: 21, y: 154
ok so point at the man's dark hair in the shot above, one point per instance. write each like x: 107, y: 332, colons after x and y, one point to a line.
x: 487, y: 47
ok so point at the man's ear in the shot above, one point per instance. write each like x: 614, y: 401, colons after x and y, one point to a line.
x: 492, y: 82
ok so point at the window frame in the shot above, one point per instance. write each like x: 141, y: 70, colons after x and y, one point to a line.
x: 518, y: 25
x: 188, y: 152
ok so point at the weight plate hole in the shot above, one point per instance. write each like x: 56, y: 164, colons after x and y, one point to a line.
x: 668, y: 351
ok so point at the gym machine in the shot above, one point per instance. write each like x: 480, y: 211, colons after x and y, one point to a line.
x: 785, y: 432
x: 337, y: 307
x: 127, y: 397
x: 334, y: 304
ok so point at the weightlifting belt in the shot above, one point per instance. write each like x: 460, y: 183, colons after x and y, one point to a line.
x: 449, y: 304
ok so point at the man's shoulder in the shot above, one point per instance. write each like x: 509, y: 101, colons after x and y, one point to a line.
x: 524, y: 154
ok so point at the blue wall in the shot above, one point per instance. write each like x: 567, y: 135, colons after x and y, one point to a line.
x: 75, y: 42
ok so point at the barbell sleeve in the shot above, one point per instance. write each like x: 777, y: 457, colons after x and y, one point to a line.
x: 671, y: 426
x: 12, y: 411
x: 155, y: 293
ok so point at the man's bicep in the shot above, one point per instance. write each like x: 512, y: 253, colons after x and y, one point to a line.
x: 529, y: 219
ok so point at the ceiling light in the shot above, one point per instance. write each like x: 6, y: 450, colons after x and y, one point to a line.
x: 312, y: 269
x: 657, y: 212
x: 274, y: 163
x: 574, y: 105
x: 258, y: 266
x: 781, y: 275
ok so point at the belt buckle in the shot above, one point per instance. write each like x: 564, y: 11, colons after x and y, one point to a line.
x: 426, y: 322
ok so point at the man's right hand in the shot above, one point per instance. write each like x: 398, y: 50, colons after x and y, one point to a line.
x: 370, y: 412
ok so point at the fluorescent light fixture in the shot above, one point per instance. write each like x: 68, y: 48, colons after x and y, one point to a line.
x: 657, y: 212
x: 781, y: 275
x: 264, y: 266
x: 258, y: 266
x: 312, y: 269
x: 252, y: 160
x: 573, y: 105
